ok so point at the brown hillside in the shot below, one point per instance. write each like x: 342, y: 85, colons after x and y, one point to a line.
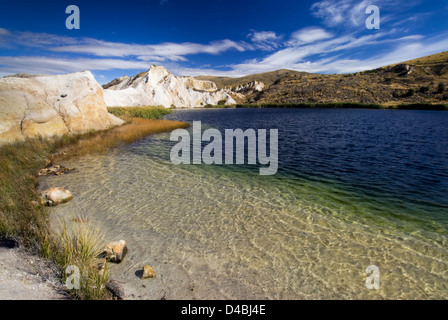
x: 267, y: 78
x: 423, y: 80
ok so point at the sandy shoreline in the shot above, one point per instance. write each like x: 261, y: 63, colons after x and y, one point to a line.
x: 24, y: 276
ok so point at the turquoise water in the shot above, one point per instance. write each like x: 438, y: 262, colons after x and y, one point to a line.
x: 354, y: 188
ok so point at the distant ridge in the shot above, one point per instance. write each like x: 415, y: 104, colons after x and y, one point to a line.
x: 438, y: 58
x: 266, y: 77
x: 422, y: 81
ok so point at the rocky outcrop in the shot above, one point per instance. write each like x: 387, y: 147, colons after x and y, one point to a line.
x: 403, y: 69
x: 158, y: 87
x: 251, y: 86
x: 51, y: 105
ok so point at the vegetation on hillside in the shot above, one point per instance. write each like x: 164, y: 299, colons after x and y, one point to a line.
x: 419, y: 81
x: 346, y: 105
x: 266, y: 77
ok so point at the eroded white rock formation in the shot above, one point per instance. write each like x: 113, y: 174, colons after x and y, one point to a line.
x: 158, y: 87
x: 51, y: 105
x: 251, y: 86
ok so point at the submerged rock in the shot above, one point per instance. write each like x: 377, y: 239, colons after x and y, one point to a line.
x: 55, y: 196
x: 115, y: 251
x: 56, y: 170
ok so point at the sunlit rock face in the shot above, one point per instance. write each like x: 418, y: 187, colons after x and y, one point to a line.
x: 158, y: 87
x: 51, y: 105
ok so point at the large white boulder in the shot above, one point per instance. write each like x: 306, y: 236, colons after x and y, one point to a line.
x: 158, y: 87
x: 51, y: 105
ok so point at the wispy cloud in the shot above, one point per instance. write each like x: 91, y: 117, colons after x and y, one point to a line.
x: 164, y: 51
x: 352, y: 13
x: 89, y: 46
x: 312, y: 49
x: 265, y: 40
x: 50, y: 65
x: 310, y: 34
x: 306, y: 58
x: 4, y: 32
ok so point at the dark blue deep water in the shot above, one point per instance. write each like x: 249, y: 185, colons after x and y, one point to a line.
x: 382, y: 163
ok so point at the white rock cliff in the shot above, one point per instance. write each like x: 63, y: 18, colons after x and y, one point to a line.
x: 51, y: 105
x: 158, y: 87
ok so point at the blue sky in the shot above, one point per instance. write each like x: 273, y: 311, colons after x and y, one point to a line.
x: 214, y: 37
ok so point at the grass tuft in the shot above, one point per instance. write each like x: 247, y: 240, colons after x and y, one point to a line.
x: 80, y: 245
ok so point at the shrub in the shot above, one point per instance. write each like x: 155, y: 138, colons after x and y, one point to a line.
x: 441, y: 88
x: 424, y: 89
x: 396, y: 94
x: 410, y: 93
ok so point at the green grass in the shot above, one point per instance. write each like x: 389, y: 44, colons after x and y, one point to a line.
x: 150, y: 113
x: 214, y: 106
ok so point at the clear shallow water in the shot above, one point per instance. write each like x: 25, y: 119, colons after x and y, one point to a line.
x: 354, y: 188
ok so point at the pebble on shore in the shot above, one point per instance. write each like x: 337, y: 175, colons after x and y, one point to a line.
x: 55, y: 196
x: 148, y: 272
x: 115, y: 251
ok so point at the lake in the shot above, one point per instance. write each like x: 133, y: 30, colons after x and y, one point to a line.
x: 354, y: 188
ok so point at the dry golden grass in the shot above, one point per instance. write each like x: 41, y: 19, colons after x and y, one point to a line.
x: 80, y: 245
x: 22, y: 217
x: 135, y: 129
x: 266, y: 77
x: 441, y: 57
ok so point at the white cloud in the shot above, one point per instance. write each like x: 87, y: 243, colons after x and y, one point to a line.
x: 34, y: 39
x: 164, y: 51
x: 49, y: 65
x: 4, y: 32
x: 4, y: 35
x: 310, y: 49
x: 332, y: 12
x: 311, y: 34
x: 263, y: 36
x: 100, y: 48
x: 264, y: 40
x: 352, y: 12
